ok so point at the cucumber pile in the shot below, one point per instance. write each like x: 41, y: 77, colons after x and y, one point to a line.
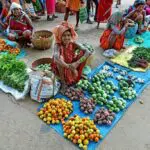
x: 116, y: 104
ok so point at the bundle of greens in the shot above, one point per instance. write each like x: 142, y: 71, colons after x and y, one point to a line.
x: 140, y: 58
x: 13, y: 72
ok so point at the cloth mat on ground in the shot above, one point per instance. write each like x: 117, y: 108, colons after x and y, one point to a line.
x: 105, y: 129
x: 22, y: 53
x: 146, y: 43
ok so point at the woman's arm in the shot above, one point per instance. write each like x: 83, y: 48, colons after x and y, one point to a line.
x: 129, y: 15
x: 117, y: 31
x: 87, y: 53
x: 58, y: 58
x: 29, y: 22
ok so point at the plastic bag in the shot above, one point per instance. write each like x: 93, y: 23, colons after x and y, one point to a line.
x: 83, y: 14
x: 110, y: 53
x: 86, y: 70
x: 43, y: 87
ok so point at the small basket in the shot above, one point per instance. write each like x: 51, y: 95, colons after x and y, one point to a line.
x: 42, y: 40
x: 41, y: 61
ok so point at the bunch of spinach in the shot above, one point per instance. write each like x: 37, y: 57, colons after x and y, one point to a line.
x: 13, y: 72
x: 139, y: 53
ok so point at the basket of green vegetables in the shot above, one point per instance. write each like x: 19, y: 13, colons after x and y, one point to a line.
x: 43, y: 64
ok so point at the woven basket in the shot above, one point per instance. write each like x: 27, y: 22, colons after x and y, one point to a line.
x: 41, y: 61
x: 42, y: 40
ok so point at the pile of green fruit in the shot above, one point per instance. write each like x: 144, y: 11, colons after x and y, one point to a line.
x: 13, y: 72
x: 43, y: 67
x: 100, y: 77
x: 126, y: 83
x: 83, y: 84
x: 116, y: 104
x: 109, y: 87
x: 126, y: 89
x: 128, y: 93
x: 100, y: 98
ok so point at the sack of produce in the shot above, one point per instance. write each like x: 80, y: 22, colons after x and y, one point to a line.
x: 43, y: 87
x: 83, y: 14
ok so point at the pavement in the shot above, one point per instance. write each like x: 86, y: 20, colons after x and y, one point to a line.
x: 21, y: 129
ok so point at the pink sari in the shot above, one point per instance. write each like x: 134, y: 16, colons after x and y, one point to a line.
x: 50, y: 6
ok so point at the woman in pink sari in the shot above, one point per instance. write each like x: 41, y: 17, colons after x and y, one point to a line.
x: 18, y: 25
x: 50, y: 6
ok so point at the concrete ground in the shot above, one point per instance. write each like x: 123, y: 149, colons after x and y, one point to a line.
x: 20, y: 128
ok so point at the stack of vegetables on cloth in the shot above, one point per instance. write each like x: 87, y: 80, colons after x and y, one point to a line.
x: 69, y: 58
x: 18, y: 25
x: 113, y: 37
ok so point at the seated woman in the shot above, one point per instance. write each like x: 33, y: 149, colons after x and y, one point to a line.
x: 138, y: 14
x: 147, y: 9
x: 69, y: 58
x: 18, y: 25
x: 113, y: 36
x: 29, y: 9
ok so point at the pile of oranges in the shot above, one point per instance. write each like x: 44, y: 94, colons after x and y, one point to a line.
x: 55, y: 111
x: 7, y: 48
x: 81, y: 131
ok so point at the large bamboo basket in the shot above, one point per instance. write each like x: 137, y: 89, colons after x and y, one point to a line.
x: 42, y: 39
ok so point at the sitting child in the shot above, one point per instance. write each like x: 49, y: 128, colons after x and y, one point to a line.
x: 69, y: 58
x: 138, y: 16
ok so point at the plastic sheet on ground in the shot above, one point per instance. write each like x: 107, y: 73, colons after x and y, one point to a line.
x: 104, y: 129
x: 15, y: 93
x: 146, y: 43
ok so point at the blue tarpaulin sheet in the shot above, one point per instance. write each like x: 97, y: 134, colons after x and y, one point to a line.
x: 104, y: 129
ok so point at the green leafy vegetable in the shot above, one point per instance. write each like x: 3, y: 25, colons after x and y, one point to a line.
x: 13, y: 72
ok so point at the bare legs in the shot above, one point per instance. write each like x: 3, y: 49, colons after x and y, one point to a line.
x: 67, y: 16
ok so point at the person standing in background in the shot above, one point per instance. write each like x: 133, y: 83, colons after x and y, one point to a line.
x: 73, y: 6
x: 50, y: 6
x: 118, y: 3
x: 88, y: 10
x: 104, y: 11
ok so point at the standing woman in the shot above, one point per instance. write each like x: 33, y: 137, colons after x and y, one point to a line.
x: 73, y: 5
x: 118, y: 3
x: 89, y: 8
x: 104, y: 11
x: 37, y: 6
x: 50, y: 6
